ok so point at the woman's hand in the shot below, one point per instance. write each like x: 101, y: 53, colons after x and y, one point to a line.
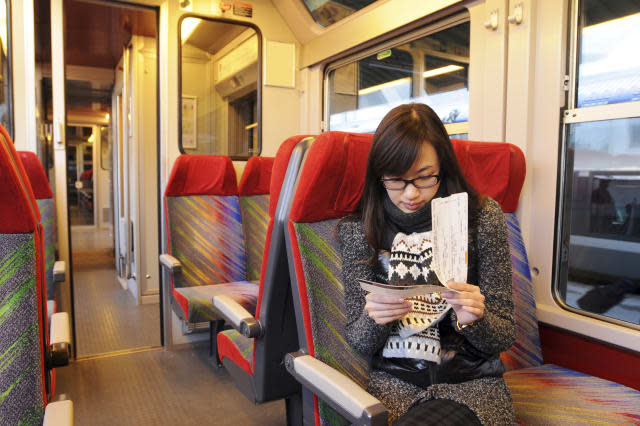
x: 468, y: 303
x: 384, y: 309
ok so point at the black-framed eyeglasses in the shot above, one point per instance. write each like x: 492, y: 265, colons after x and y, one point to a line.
x: 421, y: 182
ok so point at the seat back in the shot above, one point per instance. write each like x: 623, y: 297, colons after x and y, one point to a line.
x: 275, y: 303
x: 498, y: 170
x: 22, y: 374
x: 254, y: 204
x: 204, y: 223
x: 45, y: 201
x: 329, y: 187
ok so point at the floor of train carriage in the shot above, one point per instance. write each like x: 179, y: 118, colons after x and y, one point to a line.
x: 107, y: 317
x: 158, y: 387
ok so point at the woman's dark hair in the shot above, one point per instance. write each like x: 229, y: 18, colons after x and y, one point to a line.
x: 396, y: 145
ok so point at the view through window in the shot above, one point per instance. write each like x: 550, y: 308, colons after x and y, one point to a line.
x: 600, y: 246
x: 432, y: 69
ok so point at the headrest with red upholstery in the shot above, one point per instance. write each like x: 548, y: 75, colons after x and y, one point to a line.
x: 16, y: 197
x: 332, y: 179
x: 202, y: 175
x: 256, y: 177
x: 279, y: 170
x: 36, y: 174
x: 87, y: 175
x: 496, y: 169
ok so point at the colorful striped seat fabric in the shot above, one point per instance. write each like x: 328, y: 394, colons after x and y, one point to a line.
x: 204, y: 228
x: 45, y: 201
x: 254, y: 206
x: 259, y: 190
x: 256, y: 363
x: 22, y: 385
x: 549, y: 394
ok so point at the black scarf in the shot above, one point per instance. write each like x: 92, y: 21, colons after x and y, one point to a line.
x: 399, y: 221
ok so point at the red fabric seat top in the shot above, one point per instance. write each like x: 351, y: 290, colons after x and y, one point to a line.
x: 202, y: 175
x: 332, y: 179
x: 37, y: 175
x: 17, y: 215
x: 256, y: 177
x: 496, y: 169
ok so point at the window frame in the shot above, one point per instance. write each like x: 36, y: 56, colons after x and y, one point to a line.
x: 432, y: 28
x: 573, y: 115
x: 251, y: 25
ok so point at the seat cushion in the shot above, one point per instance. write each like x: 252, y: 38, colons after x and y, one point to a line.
x: 237, y: 348
x: 196, y: 305
x: 549, y: 394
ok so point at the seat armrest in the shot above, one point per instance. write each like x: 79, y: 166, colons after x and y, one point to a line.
x: 236, y: 315
x: 59, y: 340
x: 59, y: 271
x: 170, y: 263
x: 59, y: 413
x: 340, y: 392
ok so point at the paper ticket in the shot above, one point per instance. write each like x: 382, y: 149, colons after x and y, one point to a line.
x: 401, y: 291
x: 450, y: 221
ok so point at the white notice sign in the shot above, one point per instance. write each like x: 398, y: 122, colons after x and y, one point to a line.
x: 450, y: 221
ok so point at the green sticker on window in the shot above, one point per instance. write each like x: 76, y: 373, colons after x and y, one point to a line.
x: 384, y: 54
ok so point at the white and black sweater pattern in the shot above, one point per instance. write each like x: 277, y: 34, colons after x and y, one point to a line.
x: 416, y: 334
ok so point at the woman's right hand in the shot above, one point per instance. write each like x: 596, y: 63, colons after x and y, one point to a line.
x: 383, y: 309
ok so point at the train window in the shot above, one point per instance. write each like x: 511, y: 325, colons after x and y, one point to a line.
x: 327, y: 12
x: 599, y: 236
x: 430, y: 66
x: 607, y: 73
x: 6, y: 95
x: 220, y: 73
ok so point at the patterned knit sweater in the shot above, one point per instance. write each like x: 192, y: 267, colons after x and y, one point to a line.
x: 416, y: 335
x: 490, y: 269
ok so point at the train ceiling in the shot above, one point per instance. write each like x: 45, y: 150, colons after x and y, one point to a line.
x: 94, y: 33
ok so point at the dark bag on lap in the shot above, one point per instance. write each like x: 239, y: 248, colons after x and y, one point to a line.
x: 468, y: 363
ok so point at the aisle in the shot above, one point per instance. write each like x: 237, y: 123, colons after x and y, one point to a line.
x: 106, y: 315
x: 157, y: 387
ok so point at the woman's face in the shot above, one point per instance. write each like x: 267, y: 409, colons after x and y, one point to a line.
x: 411, y: 198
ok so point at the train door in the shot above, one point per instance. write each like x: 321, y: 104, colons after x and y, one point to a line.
x: 103, y: 91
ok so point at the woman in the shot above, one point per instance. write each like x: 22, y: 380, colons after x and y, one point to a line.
x: 435, y: 359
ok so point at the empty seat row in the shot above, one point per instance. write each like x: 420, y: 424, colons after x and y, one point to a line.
x: 30, y: 348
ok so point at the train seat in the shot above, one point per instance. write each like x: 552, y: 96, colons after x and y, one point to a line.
x: 55, y: 270
x: 329, y: 187
x: 252, y: 352
x: 27, y: 358
x: 253, y: 193
x: 205, y: 240
x: 326, y: 364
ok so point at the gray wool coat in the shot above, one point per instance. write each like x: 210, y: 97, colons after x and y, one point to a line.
x: 490, y: 269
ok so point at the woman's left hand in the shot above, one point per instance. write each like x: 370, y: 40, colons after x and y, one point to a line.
x: 468, y: 303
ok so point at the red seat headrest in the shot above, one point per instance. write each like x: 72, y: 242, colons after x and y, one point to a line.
x: 496, y: 169
x: 16, y: 196
x: 280, y: 164
x: 202, y: 175
x: 256, y: 177
x: 36, y: 174
x: 332, y: 178
x: 331, y: 182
